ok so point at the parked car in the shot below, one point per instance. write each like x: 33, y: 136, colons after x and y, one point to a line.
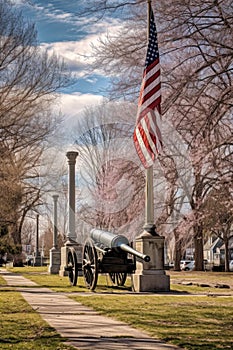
x: 187, y: 265
x: 231, y: 265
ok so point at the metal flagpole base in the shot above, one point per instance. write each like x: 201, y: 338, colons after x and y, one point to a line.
x: 151, y: 229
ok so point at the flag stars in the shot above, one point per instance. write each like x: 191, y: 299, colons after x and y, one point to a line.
x: 152, y: 51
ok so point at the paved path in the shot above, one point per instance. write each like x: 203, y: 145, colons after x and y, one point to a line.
x: 85, y: 328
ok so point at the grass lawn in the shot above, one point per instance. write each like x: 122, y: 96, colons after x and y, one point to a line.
x: 193, y: 317
x: 21, y: 328
x: 61, y: 284
x: 192, y: 322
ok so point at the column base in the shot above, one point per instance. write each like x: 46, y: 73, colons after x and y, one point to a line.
x: 64, y: 252
x: 55, y: 261
x: 153, y: 282
x: 150, y: 276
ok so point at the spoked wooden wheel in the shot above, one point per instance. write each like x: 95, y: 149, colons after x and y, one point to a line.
x: 72, y: 267
x: 90, y: 264
x: 118, y: 278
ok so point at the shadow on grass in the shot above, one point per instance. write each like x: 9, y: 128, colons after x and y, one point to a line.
x: 44, y: 339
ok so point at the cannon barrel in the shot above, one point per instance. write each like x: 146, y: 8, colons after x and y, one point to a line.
x: 130, y: 250
x: 111, y: 240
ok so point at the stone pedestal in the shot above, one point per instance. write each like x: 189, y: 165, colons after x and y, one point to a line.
x: 64, y: 253
x: 55, y: 261
x: 55, y: 254
x: 64, y: 256
x: 150, y: 276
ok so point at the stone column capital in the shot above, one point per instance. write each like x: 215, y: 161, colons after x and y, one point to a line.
x: 71, y: 155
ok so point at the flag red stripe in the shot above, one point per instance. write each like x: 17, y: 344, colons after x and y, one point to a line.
x: 152, y: 106
x: 151, y: 78
x: 148, y: 79
x: 151, y: 66
x: 139, y: 150
x: 152, y: 135
x: 145, y: 140
x: 151, y: 93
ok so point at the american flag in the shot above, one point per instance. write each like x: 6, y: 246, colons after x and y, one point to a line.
x: 147, y: 135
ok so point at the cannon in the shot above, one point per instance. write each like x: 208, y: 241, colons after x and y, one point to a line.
x: 104, y: 252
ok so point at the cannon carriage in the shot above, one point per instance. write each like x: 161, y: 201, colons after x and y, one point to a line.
x: 104, y: 252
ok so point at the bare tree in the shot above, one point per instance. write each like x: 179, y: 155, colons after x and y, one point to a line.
x: 29, y: 82
x: 112, y: 184
x: 219, y: 220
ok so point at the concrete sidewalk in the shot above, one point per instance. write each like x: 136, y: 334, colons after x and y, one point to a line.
x: 85, y: 328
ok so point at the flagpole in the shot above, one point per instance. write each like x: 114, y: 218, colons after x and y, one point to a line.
x: 148, y: 18
x: 151, y: 276
x: 149, y: 225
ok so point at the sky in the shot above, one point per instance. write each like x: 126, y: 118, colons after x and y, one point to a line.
x: 62, y: 31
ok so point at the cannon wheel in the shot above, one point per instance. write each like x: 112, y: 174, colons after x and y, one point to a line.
x: 90, y: 264
x: 72, y: 267
x: 118, y: 278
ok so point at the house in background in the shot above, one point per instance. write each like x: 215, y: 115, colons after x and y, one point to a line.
x: 214, y: 252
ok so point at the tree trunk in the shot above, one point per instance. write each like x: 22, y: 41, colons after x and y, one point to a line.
x: 15, y: 234
x: 178, y: 251
x: 226, y: 243
x: 198, y: 247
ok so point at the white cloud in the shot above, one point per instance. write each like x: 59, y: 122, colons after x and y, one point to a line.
x: 59, y: 16
x: 71, y: 105
x: 50, y: 12
x: 19, y: 2
x: 79, y: 55
x: 76, y: 54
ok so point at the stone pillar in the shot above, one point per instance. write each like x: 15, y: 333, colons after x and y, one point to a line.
x: 55, y: 254
x: 71, y: 237
x: 55, y: 199
x: 150, y: 276
x: 37, y: 258
x: 71, y: 195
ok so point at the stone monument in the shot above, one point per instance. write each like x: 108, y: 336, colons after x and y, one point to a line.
x: 150, y: 276
x: 55, y: 253
x: 71, y: 237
